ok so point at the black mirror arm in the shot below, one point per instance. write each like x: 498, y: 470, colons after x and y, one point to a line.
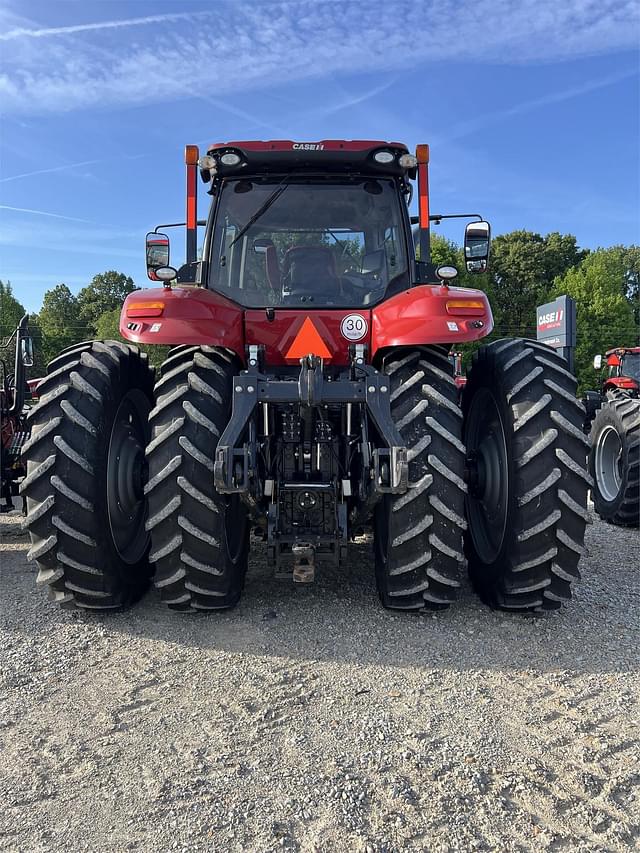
x: 159, y: 228
x: 438, y: 217
x: 22, y: 332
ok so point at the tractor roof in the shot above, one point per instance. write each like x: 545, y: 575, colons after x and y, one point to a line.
x: 326, y: 155
x: 622, y: 350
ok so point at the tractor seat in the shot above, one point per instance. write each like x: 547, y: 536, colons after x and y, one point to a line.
x: 310, y: 270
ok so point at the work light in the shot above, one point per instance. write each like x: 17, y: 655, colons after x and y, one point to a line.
x: 230, y: 158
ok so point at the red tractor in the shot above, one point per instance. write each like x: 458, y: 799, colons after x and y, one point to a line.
x: 614, y: 422
x: 308, y: 394
x: 14, y: 390
x: 459, y: 376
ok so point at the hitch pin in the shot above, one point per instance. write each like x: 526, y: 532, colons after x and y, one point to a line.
x: 265, y: 418
x: 349, y: 418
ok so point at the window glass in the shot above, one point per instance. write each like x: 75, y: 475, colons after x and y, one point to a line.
x: 325, y: 243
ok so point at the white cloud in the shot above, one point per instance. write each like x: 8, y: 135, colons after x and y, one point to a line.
x: 261, y: 44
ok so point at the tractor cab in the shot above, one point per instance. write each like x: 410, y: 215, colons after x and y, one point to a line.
x: 326, y: 223
x: 623, y: 364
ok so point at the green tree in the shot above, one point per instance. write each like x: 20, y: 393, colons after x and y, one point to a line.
x: 108, y: 326
x: 59, y: 321
x: 445, y: 251
x: 524, y: 266
x: 631, y: 260
x: 561, y: 253
x: 106, y: 292
x: 600, y: 286
x: 11, y: 310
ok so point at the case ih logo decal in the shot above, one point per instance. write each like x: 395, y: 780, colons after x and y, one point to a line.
x: 307, y: 146
x: 551, y: 320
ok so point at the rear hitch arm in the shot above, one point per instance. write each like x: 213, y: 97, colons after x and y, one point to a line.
x: 390, y: 464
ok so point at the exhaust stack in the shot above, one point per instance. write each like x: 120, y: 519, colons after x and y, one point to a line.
x: 191, y: 155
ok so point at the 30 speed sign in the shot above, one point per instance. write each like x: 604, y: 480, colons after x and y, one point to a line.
x: 353, y: 327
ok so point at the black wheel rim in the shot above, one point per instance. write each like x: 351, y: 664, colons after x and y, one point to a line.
x: 487, y: 474
x: 126, y: 470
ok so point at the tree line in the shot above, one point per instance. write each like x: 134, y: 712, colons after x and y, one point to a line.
x: 527, y: 269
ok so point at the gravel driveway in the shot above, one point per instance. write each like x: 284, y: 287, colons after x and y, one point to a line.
x: 314, y: 720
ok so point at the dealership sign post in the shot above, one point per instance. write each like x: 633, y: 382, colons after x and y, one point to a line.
x: 556, y: 326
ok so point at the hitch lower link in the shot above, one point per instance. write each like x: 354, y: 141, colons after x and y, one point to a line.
x: 232, y: 470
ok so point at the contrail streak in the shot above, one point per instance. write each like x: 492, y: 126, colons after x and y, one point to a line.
x: 45, y: 213
x: 49, y: 171
x: 23, y: 32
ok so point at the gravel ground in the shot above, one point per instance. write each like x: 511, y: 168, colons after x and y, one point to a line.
x: 314, y: 720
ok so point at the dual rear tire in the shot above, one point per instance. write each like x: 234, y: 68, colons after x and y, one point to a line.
x: 115, y: 484
x: 85, y: 508
x: 503, y: 481
x: 527, y: 476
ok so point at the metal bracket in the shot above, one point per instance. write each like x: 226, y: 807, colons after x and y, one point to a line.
x: 311, y: 389
x: 310, y: 381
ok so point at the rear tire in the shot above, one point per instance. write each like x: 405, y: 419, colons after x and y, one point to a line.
x: 199, y: 538
x: 614, y: 461
x: 85, y: 476
x: 527, y: 477
x: 418, y: 535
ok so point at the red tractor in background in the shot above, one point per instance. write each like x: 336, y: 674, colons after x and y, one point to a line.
x: 459, y: 376
x: 614, y: 424
x: 14, y: 390
x: 309, y: 393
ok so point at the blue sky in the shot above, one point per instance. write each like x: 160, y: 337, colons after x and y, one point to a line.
x: 531, y: 110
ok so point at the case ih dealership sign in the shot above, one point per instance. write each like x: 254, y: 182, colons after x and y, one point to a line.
x: 557, y: 322
x: 556, y: 326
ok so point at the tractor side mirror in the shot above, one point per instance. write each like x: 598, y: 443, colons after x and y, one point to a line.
x: 477, y: 245
x: 597, y: 362
x: 26, y: 351
x: 157, y: 253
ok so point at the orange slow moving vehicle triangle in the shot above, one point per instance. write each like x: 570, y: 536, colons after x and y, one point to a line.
x: 308, y: 342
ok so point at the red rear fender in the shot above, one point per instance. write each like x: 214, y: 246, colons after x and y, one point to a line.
x: 427, y: 314
x: 182, y: 315
x: 624, y: 382
x: 430, y: 314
